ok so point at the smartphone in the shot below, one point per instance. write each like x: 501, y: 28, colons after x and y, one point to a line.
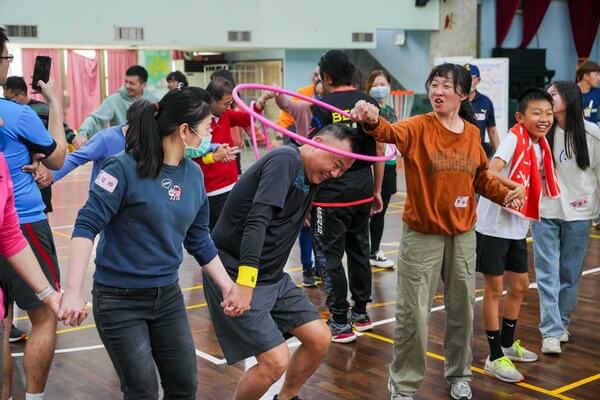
x: 41, y: 71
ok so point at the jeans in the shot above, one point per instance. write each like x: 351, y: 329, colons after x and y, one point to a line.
x: 144, y: 327
x: 305, y: 240
x: 559, y: 249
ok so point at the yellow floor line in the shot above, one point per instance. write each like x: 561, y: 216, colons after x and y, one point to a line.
x: 475, y: 369
x: 58, y: 233
x: 577, y: 384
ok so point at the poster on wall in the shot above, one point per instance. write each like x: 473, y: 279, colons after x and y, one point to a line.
x: 158, y: 64
x: 494, y: 84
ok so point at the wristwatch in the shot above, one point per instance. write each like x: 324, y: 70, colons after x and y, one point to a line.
x: 44, y: 294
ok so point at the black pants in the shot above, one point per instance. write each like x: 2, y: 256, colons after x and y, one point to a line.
x: 47, y: 198
x: 389, y: 187
x: 141, y: 327
x: 215, y: 205
x: 377, y: 224
x: 335, y: 230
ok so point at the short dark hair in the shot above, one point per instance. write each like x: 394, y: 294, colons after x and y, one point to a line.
x: 531, y: 94
x: 177, y: 76
x: 219, y: 87
x: 337, y: 65
x: 339, y: 132
x: 3, y: 39
x: 225, y: 74
x: 16, y: 84
x: 586, y: 67
x: 139, y: 71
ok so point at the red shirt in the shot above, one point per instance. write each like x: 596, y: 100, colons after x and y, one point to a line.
x: 223, y: 174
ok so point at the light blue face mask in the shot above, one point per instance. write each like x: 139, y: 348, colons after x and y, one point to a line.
x: 195, y: 152
x: 379, y: 92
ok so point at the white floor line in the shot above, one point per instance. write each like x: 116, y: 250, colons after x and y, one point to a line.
x: 69, y: 350
x: 209, y: 358
x: 291, y: 343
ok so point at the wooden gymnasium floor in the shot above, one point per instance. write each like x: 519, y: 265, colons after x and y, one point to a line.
x: 82, y: 369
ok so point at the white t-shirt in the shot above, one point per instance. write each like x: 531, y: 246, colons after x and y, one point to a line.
x: 578, y: 189
x: 493, y: 219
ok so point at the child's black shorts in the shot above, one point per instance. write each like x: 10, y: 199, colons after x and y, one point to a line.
x: 496, y: 255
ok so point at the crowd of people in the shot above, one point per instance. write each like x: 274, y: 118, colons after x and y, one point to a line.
x: 168, y: 170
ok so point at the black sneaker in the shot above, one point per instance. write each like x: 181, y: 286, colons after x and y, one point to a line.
x: 308, y: 279
x: 293, y: 398
x: 17, y: 335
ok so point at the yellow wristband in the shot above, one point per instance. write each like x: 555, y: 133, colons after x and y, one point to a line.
x: 247, y: 276
x: 208, y: 159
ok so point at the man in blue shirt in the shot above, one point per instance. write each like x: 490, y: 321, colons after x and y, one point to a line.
x: 484, y: 112
x: 25, y: 134
x: 588, y: 79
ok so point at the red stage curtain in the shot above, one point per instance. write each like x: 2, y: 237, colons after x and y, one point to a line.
x: 585, y: 18
x: 505, y: 11
x: 533, y: 14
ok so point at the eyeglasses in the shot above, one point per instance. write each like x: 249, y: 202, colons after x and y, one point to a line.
x: 9, y: 57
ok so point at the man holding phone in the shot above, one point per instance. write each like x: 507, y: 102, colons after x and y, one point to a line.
x: 24, y: 134
x: 114, y: 108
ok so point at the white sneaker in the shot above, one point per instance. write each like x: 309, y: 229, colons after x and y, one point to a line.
x: 461, y: 390
x: 503, y: 369
x: 564, y: 338
x: 551, y: 345
x: 381, y: 261
x: 516, y: 352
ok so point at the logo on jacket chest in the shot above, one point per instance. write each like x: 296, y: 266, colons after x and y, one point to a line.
x: 173, y: 191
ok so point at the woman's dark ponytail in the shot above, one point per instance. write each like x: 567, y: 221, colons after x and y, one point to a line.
x: 150, y: 123
x: 143, y: 139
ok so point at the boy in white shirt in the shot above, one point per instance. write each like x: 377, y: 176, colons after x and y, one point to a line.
x: 501, y: 232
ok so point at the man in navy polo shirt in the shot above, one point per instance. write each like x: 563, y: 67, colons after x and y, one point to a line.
x: 484, y: 112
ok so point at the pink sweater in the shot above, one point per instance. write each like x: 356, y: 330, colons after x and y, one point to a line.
x: 12, y: 240
x: 300, y: 110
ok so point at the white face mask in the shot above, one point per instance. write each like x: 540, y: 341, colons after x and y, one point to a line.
x: 379, y: 92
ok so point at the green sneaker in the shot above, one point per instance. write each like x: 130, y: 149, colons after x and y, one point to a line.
x: 516, y: 352
x: 503, y: 369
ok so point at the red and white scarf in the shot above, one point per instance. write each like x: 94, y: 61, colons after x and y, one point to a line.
x: 524, y: 171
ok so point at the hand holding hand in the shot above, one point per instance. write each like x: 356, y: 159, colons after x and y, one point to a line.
x: 72, y: 309
x: 237, y: 300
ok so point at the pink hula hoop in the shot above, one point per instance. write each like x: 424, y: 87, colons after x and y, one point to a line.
x: 296, y: 137
x: 253, y: 135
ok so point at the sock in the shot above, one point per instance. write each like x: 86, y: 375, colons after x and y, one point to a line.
x: 36, y: 396
x: 507, y: 337
x: 494, y: 341
x: 340, y: 319
x: 360, y: 308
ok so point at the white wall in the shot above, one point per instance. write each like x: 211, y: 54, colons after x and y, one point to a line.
x: 194, y: 24
x: 408, y: 63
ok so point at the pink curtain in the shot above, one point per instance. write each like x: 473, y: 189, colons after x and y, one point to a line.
x: 533, y: 14
x: 29, y: 56
x: 83, y: 86
x: 118, y: 61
